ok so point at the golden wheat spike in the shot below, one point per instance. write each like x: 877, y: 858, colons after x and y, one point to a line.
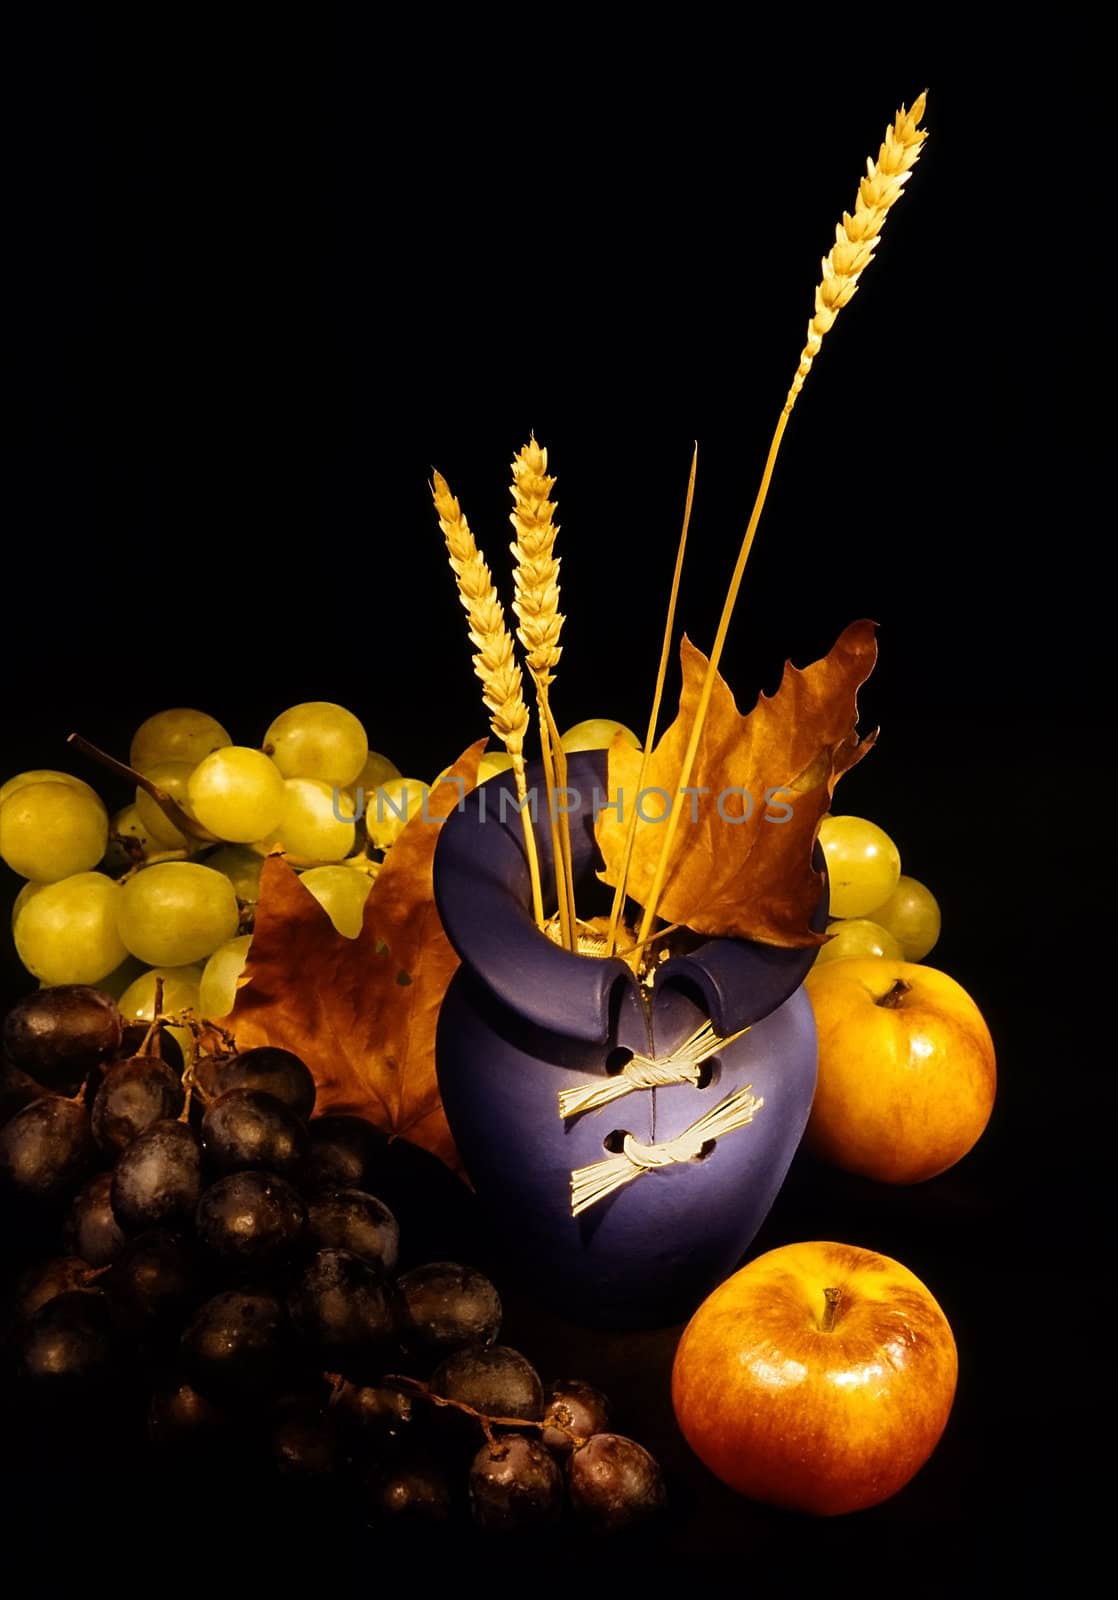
x: 536, y: 574
x: 536, y: 603
x: 494, y: 662
x: 856, y: 236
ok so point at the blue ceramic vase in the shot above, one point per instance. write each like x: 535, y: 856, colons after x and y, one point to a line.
x: 524, y: 1021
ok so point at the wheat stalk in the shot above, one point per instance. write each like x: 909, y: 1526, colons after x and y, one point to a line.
x: 618, y: 906
x: 495, y: 661
x: 536, y: 603
x: 855, y: 240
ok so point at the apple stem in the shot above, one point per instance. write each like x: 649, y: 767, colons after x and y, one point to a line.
x: 832, y: 1297
x: 895, y: 995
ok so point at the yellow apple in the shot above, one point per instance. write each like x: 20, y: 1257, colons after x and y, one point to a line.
x: 907, y: 1073
x: 819, y: 1377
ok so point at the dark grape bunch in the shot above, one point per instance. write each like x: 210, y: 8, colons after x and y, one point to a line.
x: 212, y: 1257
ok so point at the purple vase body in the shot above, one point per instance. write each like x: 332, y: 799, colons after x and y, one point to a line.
x: 524, y: 1020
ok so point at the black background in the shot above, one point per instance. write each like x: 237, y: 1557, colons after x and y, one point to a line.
x: 268, y: 275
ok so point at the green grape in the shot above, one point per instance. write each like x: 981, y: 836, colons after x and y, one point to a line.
x: 377, y: 769
x: 362, y: 865
x: 43, y: 775
x: 176, y: 912
x: 128, y: 824
x: 492, y: 763
x: 242, y: 867
x: 237, y: 793
x: 67, y: 933
x: 218, y: 988
x: 911, y: 915
x: 858, y: 936
x: 265, y: 847
x: 863, y: 864
x: 174, y: 777
x: 403, y: 795
x: 120, y: 977
x: 49, y: 831
x: 596, y: 733
x: 21, y: 899
x: 178, y: 735
x: 180, y: 993
x: 341, y: 893
x: 309, y: 829
x: 318, y: 740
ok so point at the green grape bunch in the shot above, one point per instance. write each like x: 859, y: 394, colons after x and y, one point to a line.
x: 166, y: 887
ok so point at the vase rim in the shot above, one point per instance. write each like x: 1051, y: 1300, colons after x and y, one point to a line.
x: 483, y: 895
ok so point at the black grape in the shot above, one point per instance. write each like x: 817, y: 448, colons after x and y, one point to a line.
x: 46, y: 1280
x: 493, y: 1379
x: 154, y: 1280
x: 158, y: 1179
x: 59, y: 1035
x: 133, y: 1094
x: 71, y: 1341
x: 245, y: 1128
x: 45, y: 1149
x: 573, y: 1407
x: 414, y: 1490
x: 236, y: 1342
x: 380, y: 1413
x: 92, y: 1230
x: 343, y: 1150
x: 614, y: 1483
x: 251, y: 1219
x: 515, y: 1486
x: 305, y: 1443
x: 16, y: 1090
x: 180, y: 1418
x: 268, y: 1069
x: 344, y: 1306
x: 360, y: 1223
x: 445, y: 1307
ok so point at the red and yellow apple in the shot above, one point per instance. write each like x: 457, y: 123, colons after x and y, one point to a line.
x: 907, y: 1072
x: 819, y: 1377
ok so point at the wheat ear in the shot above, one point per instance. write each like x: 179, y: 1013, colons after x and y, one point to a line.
x: 856, y: 236
x: 855, y: 240
x: 536, y: 603
x: 494, y: 662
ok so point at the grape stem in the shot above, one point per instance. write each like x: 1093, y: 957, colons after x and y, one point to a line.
x: 416, y: 1386
x: 155, y: 1031
x: 170, y: 809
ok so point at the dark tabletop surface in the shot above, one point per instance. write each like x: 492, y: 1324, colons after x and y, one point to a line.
x: 260, y: 299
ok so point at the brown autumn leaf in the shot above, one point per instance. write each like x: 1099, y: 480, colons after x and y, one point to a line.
x: 734, y: 873
x: 361, y: 1012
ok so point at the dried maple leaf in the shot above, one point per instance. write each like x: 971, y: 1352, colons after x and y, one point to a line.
x: 361, y: 1012
x: 738, y: 872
